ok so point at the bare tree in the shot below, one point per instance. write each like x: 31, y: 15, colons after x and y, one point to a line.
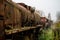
x: 58, y: 16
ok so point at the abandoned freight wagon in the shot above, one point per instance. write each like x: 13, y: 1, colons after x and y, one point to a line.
x: 18, y: 21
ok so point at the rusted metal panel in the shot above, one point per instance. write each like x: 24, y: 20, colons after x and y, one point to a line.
x: 12, y: 16
x: 1, y: 9
x: 2, y: 19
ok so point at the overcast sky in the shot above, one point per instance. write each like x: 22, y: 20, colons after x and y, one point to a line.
x: 48, y: 6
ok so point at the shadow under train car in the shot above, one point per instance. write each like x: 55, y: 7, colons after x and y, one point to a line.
x: 31, y: 34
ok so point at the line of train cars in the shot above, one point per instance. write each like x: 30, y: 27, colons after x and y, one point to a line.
x: 20, y: 15
x: 17, y: 15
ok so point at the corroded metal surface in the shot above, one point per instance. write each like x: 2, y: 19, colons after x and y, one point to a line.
x: 16, y: 30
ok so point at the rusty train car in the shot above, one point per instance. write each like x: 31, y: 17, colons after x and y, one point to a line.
x: 13, y: 15
x: 20, y: 15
